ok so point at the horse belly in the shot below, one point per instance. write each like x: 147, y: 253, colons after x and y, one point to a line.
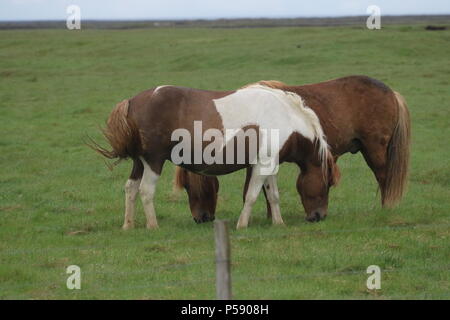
x: 214, y: 169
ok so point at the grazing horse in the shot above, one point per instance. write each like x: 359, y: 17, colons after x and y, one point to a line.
x: 357, y: 114
x: 148, y: 129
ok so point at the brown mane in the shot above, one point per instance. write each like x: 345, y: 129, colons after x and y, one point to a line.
x: 196, y: 183
x: 333, y: 174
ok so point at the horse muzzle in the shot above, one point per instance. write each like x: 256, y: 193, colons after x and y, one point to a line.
x: 316, y: 215
x: 205, y: 217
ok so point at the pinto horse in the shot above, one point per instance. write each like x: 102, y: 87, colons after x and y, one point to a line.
x: 148, y: 128
x: 357, y: 114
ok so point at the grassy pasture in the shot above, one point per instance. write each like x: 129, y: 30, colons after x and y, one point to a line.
x: 60, y: 205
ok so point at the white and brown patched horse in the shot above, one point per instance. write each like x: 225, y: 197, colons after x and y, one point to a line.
x: 357, y: 114
x: 143, y: 129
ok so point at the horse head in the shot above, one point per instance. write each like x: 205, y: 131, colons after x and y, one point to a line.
x: 202, y: 193
x: 313, y: 185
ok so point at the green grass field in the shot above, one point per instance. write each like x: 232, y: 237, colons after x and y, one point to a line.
x: 61, y: 206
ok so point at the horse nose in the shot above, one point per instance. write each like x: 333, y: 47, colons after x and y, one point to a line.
x: 204, y: 218
x: 315, y: 217
x: 207, y: 217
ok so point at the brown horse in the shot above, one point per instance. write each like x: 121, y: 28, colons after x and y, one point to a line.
x: 358, y: 114
x: 255, y: 127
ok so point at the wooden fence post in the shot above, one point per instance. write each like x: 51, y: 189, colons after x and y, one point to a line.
x: 223, y: 276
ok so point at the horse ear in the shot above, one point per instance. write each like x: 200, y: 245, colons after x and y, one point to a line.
x: 334, y: 174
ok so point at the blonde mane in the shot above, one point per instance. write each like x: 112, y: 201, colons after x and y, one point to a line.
x: 273, y: 84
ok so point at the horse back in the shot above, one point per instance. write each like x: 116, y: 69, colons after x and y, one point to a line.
x: 159, y: 111
x: 351, y: 109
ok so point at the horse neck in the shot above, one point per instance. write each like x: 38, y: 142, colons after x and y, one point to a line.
x: 292, y: 149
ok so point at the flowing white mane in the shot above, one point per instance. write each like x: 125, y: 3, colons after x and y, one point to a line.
x: 298, y: 106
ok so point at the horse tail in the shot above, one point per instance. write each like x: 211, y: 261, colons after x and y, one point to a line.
x: 122, y: 134
x: 398, y: 157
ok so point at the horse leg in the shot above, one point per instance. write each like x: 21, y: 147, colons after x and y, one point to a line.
x: 273, y: 198
x: 254, y: 187
x: 269, y: 208
x: 152, y: 172
x: 131, y: 190
x: 375, y: 154
x: 247, y: 181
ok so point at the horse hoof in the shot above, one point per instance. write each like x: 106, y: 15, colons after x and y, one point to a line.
x: 241, y: 226
x: 127, y: 226
x: 152, y: 227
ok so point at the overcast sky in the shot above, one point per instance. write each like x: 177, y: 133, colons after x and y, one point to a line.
x: 192, y: 9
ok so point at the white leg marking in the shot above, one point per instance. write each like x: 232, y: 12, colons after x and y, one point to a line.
x: 147, y: 191
x: 131, y: 190
x: 254, y: 188
x: 273, y: 196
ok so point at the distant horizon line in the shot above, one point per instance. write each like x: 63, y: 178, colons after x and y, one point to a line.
x: 228, y: 18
